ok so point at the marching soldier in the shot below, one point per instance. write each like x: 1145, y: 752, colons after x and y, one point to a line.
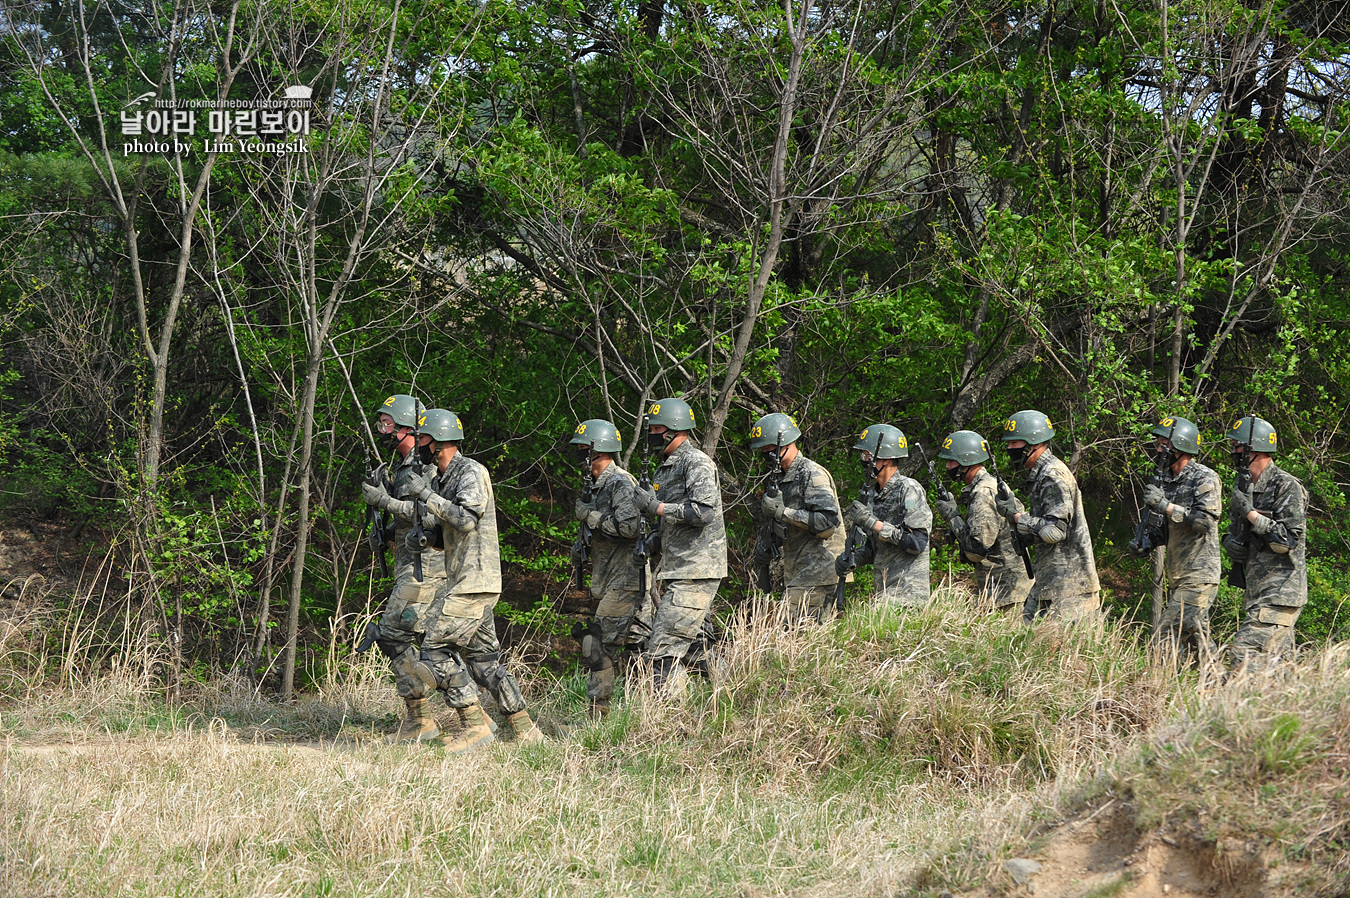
x: 803, y: 501
x: 611, y: 517
x: 460, y: 622
x: 403, y: 623
x: 898, y: 523
x: 1266, y: 542
x: 1189, y: 501
x: 983, y: 536
x: 1066, y: 585
x: 687, y: 500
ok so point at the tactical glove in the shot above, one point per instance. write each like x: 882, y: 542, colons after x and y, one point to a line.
x: 763, y: 550
x: 646, y: 500
x: 375, y: 495
x: 947, y: 508
x: 411, y: 543
x: 844, y: 565
x: 861, y: 516
x: 1240, y: 503
x: 1155, y: 498
x: 773, y: 507
x: 1009, y: 505
x: 419, y: 486
x: 581, y: 510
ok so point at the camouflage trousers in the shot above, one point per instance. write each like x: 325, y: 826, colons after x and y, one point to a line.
x: 681, y: 610
x: 614, y: 630
x: 1183, y: 626
x: 1266, y: 635
x: 899, y: 598
x: 402, y: 627
x: 463, y: 626
x: 1002, y: 591
x: 802, y: 604
x: 1084, y: 609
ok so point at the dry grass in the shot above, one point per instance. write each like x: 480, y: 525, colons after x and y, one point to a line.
x: 880, y: 754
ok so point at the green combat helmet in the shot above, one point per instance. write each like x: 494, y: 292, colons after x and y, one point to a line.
x: 776, y: 429
x: 599, y: 435
x: 965, y: 447
x: 406, y: 410
x: 1183, y: 434
x: 1031, y: 426
x: 892, y: 441
x: 1257, y: 434
x: 442, y: 425
x: 672, y: 413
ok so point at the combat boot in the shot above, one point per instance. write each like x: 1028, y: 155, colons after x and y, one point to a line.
x: 418, y: 726
x: 526, y: 732
x: 477, y: 730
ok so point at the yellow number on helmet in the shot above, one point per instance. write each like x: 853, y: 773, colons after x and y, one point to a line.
x: 755, y: 433
x: 1236, y: 425
x: 459, y: 423
x: 581, y: 428
x: 1272, y: 438
x: 902, y: 443
x: 1166, y: 422
x: 863, y: 435
x: 947, y: 443
x: 984, y: 444
x: 1010, y: 425
x: 655, y: 409
x: 422, y: 420
x: 691, y: 416
x: 389, y: 401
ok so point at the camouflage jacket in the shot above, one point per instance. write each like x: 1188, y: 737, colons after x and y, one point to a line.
x: 1066, y: 570
x: 462, y: 501
x: 986, y: 542
x: 1277, y: 577
x: 613, y: 567
x: 899, y: 553
x: 693, y: 538
x: 1193, y: 526
x: 815, y: 533
x: 433, y: 560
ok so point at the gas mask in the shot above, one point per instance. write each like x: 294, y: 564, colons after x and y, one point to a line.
x: 1018, y: 455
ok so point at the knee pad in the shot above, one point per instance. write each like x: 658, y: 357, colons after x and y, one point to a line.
x: 489, y: 671
x: 444, y: 667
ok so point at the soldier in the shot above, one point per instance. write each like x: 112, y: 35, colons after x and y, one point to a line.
x: 897, y: 524
x: 983, y: 536
x: 804, y: 502
x: 460, y: 621
x: 611, y: 518
x: 687, y: 500
x: 1066, y: 585
x: 1189, y: 501
x: 1265, y: 541
x: 403, y: 623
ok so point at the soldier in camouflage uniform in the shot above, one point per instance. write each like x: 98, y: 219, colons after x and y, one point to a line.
x: 1190, y: 501
x: 611, y: 518
x: 1066, y: 585
x: 687, y: 500
x: 403, y: 623
x: 983, y: 535
x: 805, y: 503
x: 460, y: 622
x: 897, y: 523
x: 1266, y: 542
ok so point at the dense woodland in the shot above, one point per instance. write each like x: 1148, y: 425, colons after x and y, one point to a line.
x: 930, y: 213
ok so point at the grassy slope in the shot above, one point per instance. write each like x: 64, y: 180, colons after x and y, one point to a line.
x: 886, y: 753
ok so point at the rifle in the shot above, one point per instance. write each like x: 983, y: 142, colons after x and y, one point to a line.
x: 581, y: 547
x: 866, y: 495
x: 376, y: 525
x: 640, y: 553
x: 933, y: 478
x: 1237, y: 573
x: 419, y: 538
x: 1018, y: 543
x: 766, y: 535
x: 1152, y: 521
